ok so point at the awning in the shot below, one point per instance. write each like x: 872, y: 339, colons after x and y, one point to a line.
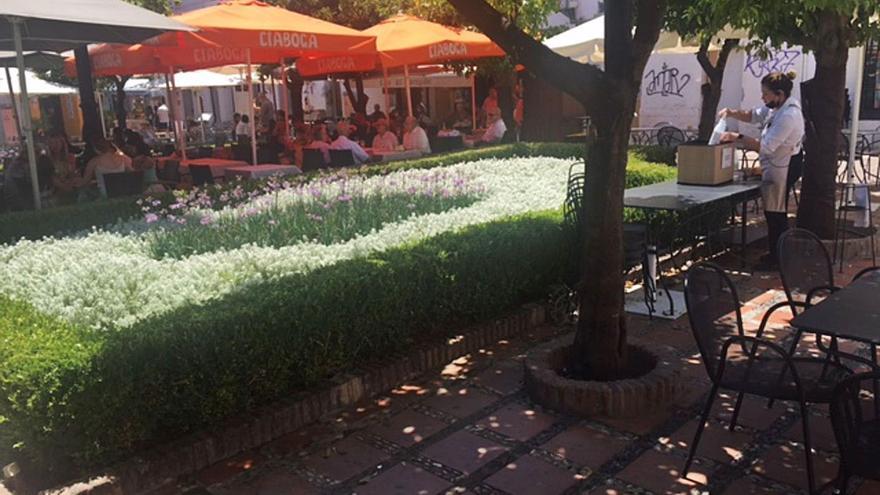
x: 59, y: 25
x: 35, y: 85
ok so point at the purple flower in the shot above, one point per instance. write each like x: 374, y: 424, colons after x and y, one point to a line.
x: 344, y: 198
x: 151, y: 218
x: 206, y: 220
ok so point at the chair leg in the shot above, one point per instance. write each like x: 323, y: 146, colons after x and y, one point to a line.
x: 736, y: 408
x: 808, y: 451
x: 791, y: 351
x: 842, y: 481
x: 702, y: 425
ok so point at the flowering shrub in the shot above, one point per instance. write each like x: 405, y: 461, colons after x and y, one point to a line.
x: 106, y: 348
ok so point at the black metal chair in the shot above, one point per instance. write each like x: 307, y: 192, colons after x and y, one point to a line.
x: 670, y: 136
x: 123, y: 184
x: 341, y: 158
x: 856, y: 424
x: 201, y: 175
x: 758, y: 367
x: 170, y: 172
x: 313, y: 159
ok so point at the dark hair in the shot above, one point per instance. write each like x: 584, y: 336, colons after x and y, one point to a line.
x: 779, y: 81
x: 245, y: 119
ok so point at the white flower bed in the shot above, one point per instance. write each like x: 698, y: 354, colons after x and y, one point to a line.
x: 108, y: 279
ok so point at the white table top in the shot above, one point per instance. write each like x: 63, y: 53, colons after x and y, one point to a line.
x: 671, y: 195
x: 264, y: 170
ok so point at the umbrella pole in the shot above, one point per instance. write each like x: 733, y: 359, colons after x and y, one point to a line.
x: 473, y: 102
x: 854, y: 125
x: 15, y: 105
x: 179, y: 129
x: 285, y: 98
x: 26, y: 111
x: 408, y: 90
x: 170, y: 106
x: 387, y: 90
x: 251, y: 109
x: 100, y: 101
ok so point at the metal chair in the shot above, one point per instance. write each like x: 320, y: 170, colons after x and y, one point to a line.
x: 857, y: 428
x: 201, y: 175
x: 670, y: 136
x: 341, y: 158
x: 170, y: 172
x: 848, y: 203
x: 749, y: 365
x: 313, y: 159
x: 123, y: 184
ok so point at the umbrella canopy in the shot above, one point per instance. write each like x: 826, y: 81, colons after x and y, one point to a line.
x: 231, y: 32
x: 586, y: 42
x: 55, y: 26
x: 32, y: 60
x: 35, y: 85
x: 407, y: 40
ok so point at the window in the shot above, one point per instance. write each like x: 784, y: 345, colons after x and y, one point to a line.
x: 871, y: 83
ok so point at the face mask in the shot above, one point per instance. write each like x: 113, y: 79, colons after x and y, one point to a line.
x: 772, y: 104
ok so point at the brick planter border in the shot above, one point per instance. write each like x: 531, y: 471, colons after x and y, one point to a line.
x: 621, y: 398
x: 194, y: 452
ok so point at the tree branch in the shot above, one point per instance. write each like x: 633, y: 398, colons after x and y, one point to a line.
x: 703, y: 59
x: 649, y: 22
x: 585, y: 82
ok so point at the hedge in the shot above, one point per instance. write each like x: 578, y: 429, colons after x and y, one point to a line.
x: 74, y: 218
x: 72, y: 397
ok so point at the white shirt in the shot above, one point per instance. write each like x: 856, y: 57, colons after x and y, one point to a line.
x: 417, y: 139
x: 781, y: 136
x: 242, y: 129
x: 385, y: 142
x: 343, y: 143
x: 162, y: 114
x: 495, y: 132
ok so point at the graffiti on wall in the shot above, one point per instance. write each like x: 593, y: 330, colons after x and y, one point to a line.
x: 668, y: 81
x: 778, y: 61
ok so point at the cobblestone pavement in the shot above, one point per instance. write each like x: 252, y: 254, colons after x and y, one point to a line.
x: 470, y: 429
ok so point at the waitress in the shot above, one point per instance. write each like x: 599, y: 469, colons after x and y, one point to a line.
x: 782, y: 132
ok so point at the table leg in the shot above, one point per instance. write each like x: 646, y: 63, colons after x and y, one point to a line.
x: 743, y: 237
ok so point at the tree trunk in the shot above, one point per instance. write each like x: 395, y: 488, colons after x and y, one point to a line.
x: 357, y: 97
x: 541, y: 110
x: 295, y: 85
x: 711, y: 91
x: 601, y: 333
x: 824, y: 113
x: 119, y: 101
x: 87, y: 102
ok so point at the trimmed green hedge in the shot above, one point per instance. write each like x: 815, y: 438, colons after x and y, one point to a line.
x: 75, y: 398
x: 79, y: 217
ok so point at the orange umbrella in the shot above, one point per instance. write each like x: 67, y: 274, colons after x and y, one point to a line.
x: 405, y: 40
x: 120, y: 60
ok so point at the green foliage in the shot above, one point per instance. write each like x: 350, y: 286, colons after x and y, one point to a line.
x: 70, y: 399
x: 653, y: 154
x: 65, y: 219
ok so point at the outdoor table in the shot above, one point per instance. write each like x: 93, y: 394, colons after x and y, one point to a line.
x: 218, y: 166
x: 675, y: 197
x: 851, y: 313
x: 390, y: 156
x: 260, y: 171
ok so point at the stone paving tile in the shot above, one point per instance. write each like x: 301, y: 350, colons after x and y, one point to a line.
x: 717, y: 443
x: 753, y: 413
x: 344, y: 459
x: 585, y: 446
x: 464, y: 451
x: 460, y: 401
x: 228, y: 469
x: 517, y: 421
x: 660, y: 474
x: 404, y: 479
x: 869, y: 488
x: 786, y: 463
x: 505, y: 377
x: 531, y: 476
x: 272, y: 482
x: 407, y: 428
x: 747, y: 486
x: 821, y: 433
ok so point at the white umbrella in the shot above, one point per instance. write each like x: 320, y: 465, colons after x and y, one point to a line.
x: 55, y: 26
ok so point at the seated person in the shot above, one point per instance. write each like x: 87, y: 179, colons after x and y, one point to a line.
x: 414, y: 137
x: 108, y: 161
x: 342, y: 142
x: 495, y: 132
x: 317, y: 139
x: 142, y: 159
x: 243, y: 129
x: 385, y: 140
x: 460, y: 118
x: 377, y: 114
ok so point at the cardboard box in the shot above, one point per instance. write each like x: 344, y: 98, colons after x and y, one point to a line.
x: 704, y: 165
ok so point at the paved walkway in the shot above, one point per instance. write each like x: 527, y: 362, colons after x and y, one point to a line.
x: 470, y: 429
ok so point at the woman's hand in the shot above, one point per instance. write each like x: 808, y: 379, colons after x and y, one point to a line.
x: 724, y: 113
x: 729, y: 137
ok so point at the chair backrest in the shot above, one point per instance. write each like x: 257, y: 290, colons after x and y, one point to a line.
x: 341, y: 158
x: 713, y: 310
x: 852, y: 408
x: 171, y: 171
x: 201, y: 175
x: 804, y: 265
x: 313, y: 159
x: 123, y: 184
x: 670, y: 136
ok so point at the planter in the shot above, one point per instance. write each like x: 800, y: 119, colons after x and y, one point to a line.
x: 621, y: 398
